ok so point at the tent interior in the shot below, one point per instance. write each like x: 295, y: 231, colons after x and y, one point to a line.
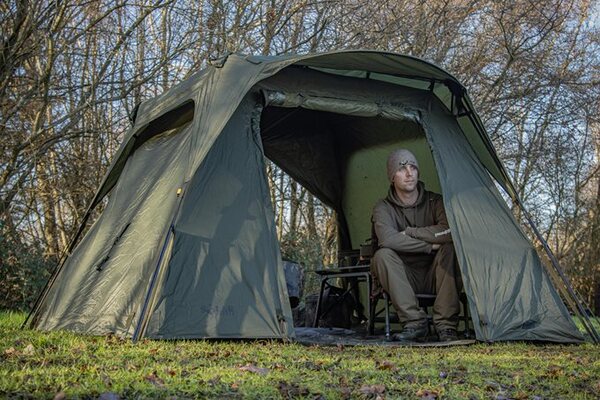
x: 335, y: 139
x: 341, y: 159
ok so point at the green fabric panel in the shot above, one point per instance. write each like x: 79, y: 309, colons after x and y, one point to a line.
x: 510, y: 294
x: 122, y: 244
x: 342, y: 72
x: 480, y: 141
x: 380, y: 62
x: 412, y: 83
x: 216, y: 101
x: 174, y: 97
x: 444, y: 94
x: 487, y: 159
x: 396, y: 80
x: 171, y: 118
x: 225, y: 277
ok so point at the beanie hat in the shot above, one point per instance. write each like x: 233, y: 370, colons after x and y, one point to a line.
x: 398, y: 159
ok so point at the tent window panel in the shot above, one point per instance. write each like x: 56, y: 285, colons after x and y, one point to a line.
x: 170, y: 120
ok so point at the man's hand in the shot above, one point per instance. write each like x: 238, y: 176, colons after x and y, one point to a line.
x: 435, y: 246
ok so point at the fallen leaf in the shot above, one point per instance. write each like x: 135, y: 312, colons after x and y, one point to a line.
x: 154, y: 379
x: 372, y: 389
x: 554, y: 371
x: 10, y: 352
x: 520, y: 396
x: 385, y: 365
x: 171, y: 372
x: 345, y: 393
x: 29, y: 350
x: 60, y: 396
x: 291, y: 390
x: 254, y: 369
x: 427, y: 394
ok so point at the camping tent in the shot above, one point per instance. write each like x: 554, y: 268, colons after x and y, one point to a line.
x: 186, y: 245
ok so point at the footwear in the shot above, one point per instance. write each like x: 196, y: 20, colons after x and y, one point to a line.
x: 410, y: 333
x: 447, y: 335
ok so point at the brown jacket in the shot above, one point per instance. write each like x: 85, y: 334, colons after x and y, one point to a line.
x: 411, y: 229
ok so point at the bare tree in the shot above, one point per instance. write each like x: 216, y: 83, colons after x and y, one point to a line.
x: 71, y: 74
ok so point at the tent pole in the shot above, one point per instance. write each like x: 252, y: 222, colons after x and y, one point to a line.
x: 141, y: 325
x: 585, y: 318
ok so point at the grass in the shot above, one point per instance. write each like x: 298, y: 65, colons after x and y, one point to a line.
x: 65, y: 365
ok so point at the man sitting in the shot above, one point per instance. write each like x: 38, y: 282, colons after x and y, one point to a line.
x: 414, y: 251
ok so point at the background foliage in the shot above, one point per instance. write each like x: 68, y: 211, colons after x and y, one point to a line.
x: 72, y: 72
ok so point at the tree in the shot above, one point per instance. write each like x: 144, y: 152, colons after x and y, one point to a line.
x: 72, y: 74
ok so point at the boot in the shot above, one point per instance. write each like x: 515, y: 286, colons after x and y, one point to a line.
x: 412, y: 332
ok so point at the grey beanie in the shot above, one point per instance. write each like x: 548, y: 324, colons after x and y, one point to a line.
x: 399, y: 158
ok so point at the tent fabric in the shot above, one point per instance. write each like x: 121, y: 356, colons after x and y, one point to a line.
x: 101, y: 285
x: 511, y: 295
x: 186, y: 246
x: 220, y: 281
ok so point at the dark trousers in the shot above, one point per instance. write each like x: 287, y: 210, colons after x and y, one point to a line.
x: 401, y: 276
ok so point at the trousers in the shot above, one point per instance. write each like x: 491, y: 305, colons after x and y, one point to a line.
x: 403, y: 275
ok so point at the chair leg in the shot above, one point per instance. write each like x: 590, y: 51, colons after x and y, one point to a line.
x: 318, y: 310
x: 372, y: 309
x: 388, y: 336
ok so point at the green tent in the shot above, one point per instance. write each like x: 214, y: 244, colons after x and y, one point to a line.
x: 186, y: 245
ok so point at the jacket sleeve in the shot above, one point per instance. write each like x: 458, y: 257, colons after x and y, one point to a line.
x: 439, y: 233
x: 388, y: 235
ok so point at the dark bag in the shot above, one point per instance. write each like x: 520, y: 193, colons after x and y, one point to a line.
x: 337, y: 308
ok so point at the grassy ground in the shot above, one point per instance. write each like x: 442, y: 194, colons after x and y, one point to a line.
x: 64, y: 365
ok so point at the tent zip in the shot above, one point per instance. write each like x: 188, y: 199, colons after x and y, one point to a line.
x: 100, y: 265
x: 143, y: 321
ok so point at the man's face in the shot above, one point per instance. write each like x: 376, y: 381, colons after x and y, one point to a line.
x: 406, y: 178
